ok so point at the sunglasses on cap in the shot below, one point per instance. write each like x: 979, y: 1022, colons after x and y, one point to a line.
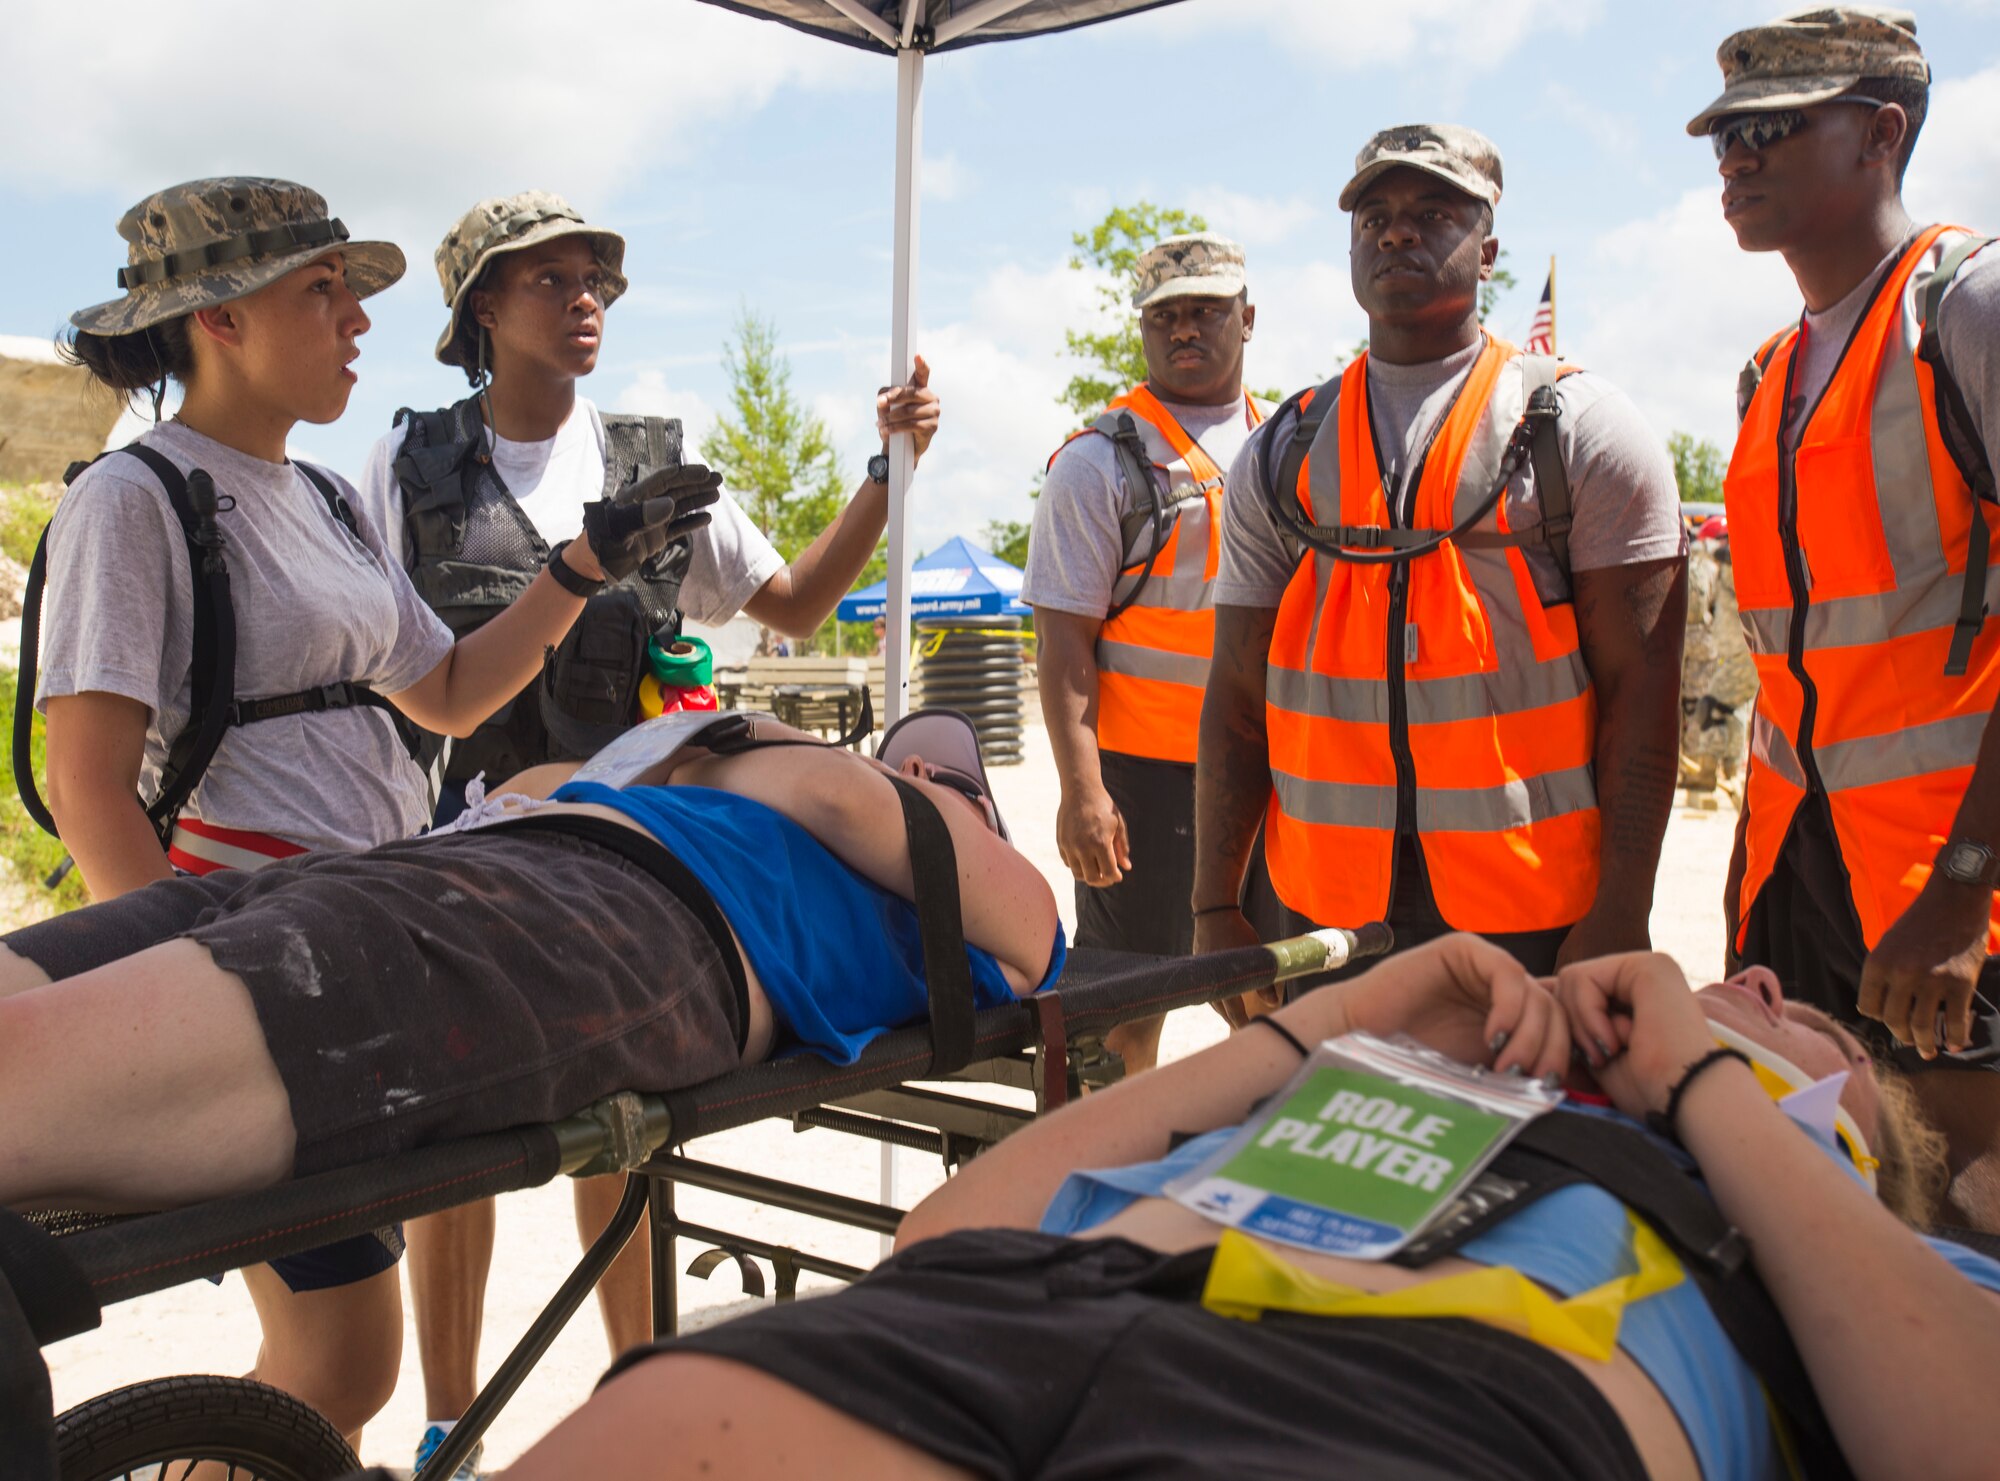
x: 967, y: 787
x: 1757, y: 132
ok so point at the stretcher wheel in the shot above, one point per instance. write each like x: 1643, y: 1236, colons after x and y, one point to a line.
x: 260, y: 1433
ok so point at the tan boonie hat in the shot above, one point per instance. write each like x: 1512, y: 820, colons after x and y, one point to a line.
x: 208, y: 241
x: 1461, y: 157
x: 508, y: 223
x: 1812, y: 56
x: 1197, y: 265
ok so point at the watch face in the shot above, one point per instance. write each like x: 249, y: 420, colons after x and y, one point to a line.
x: 1968, y: 863
x: 878, y: 469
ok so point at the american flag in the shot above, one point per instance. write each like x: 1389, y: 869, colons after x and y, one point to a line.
x: 1542, y: 333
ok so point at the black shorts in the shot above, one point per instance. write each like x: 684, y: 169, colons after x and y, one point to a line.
x: 1013, y: 1353
x: 442, y: 987
x: 1803, y: 926
x: 1148, y: 909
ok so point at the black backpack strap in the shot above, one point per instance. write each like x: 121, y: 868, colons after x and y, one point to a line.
x: 1144, y: 508
x: 336, y: 502
x: 1281, y: 485
x: 1541, y: 373
x: 1956, y: 430
x: 1752, y: 374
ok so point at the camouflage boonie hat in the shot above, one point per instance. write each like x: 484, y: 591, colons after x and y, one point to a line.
x: 1197, y: 265
x: 208, y: 241
x: 1463, y: 158
x: 1812, y: 56
x: 507, y: 223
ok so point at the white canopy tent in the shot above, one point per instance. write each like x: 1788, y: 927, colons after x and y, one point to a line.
x: 909, y: 30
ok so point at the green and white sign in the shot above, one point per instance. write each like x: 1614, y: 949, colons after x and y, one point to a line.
x: 1355, y: 1161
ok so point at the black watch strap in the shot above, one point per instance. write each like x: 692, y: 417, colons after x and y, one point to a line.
x: 878, y: 469
x: 1966, y: 862
x: 567, y: 577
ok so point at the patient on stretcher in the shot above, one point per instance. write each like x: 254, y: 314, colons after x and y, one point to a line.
x: 1062, y: 1307
x: 238, y: 1029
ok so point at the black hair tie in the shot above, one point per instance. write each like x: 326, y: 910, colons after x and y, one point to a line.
x: 1665, y: 1122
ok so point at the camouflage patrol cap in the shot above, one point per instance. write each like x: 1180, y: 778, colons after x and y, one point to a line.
x: 209, y: 241
x: 1461, y: 157
x: 508, y: 223
x: 1196, y: 265
x: 1812, y: 56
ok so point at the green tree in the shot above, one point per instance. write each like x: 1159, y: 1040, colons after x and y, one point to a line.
x: 1008, y: 539
x: 776, y: 459
x: 1493, y: 287
x: 1113, y: 357
x: 1698, y: 468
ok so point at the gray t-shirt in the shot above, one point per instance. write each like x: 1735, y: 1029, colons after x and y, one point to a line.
x: 1076, y: 549
x: 1969, y: 331
x: 1625, y: 505
x: 313, y: 606
x: 552, y: 481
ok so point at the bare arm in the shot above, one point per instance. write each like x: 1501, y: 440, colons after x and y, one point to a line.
x: 485, y: 669
x: 1232, y: 776
x: 96, y: 743
x: 1090, y: 834
x: 1631, y: 621
x: 798, y: 598
x: 1457, y: 994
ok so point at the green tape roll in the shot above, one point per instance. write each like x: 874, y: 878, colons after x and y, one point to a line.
x: 686, y: 663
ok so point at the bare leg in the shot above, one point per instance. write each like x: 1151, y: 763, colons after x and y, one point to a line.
x: 687, y: 1415
x: 18, y: 974
x: 450, y: 1255
x: 1965, y: 1106
x: 338, y: 1349
x: 1137, y: 1042
x: 625, y: 1295
x: 163, y: 1046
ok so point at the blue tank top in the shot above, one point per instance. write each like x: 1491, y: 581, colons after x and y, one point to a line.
x: 1570, y: 1241
x: 841, y: 959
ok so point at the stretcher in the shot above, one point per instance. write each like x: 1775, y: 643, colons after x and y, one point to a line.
x: 57, y: 1273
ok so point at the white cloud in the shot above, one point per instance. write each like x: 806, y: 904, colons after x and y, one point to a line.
x: 944, y: 177
x: 1253, y: 220
x: 648, y: 394
x: 1458, y: 36
x: 509, y: 95
x: 1955, y: 174
x: 1674, y: 309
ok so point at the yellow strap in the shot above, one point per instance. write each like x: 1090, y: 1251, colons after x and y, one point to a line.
x: 1247, y: 1279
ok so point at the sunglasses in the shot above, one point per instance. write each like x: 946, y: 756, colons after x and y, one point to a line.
x: 1757, y: 132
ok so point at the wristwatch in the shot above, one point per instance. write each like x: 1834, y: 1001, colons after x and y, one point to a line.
x: 878, y: 468
x: 1966, y: 862
x: 568, y: 577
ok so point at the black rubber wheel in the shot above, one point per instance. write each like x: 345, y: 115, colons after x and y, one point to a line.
x: 259, y: 1432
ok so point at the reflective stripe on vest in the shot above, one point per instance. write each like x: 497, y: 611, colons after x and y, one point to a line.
x: 1497, y: 725
x: 1850, y: 558
x: 1152, y: 658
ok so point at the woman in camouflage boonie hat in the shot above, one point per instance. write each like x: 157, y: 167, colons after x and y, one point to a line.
x: 503, y: 225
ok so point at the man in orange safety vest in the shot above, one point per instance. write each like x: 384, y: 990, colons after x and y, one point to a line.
x: 1121, y: 564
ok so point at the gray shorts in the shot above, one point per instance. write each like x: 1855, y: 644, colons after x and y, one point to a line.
x: 443, y: 987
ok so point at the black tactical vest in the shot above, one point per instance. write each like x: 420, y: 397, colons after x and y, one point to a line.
x: 471, y: 552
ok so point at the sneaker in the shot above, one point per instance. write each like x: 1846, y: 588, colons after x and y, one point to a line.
x: 468, y: 1469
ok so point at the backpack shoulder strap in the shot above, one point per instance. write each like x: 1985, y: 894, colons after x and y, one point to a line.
x: 1145, y: 511
x: 1308, y: 410
x: 1752, y: 374
x: 635, y: 445
x: 1957, y: 431
x: 330, y: 494
x: 1541, y: 373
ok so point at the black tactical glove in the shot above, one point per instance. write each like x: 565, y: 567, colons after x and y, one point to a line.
x: 647, y: 516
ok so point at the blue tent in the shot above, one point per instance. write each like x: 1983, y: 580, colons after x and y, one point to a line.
x: 958, y: 579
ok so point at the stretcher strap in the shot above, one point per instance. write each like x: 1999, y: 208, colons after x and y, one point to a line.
x: 947, y: 976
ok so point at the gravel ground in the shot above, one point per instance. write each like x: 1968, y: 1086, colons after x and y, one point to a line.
x: 205, y: 1328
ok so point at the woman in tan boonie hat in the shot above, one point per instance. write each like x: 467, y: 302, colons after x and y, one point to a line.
x: 247, y: 293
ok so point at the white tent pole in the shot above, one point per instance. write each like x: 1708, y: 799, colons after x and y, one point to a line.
x: 902, y: 448
x: 902, y: 336
x: 972, y: 17
x: 911, y: 18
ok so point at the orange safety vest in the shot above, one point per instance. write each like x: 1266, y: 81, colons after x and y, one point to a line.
x: 1153, y: 650
x: 1442, y: 683
x: 1851, y: 557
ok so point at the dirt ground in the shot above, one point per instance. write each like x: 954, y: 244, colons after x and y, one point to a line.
x: 205, y: 1328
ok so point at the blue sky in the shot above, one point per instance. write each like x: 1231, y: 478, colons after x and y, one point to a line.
x: 750, y: 167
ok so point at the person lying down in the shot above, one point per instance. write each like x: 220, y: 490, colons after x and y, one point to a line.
x: 1049, y: 1314
x: 241, y: 1028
